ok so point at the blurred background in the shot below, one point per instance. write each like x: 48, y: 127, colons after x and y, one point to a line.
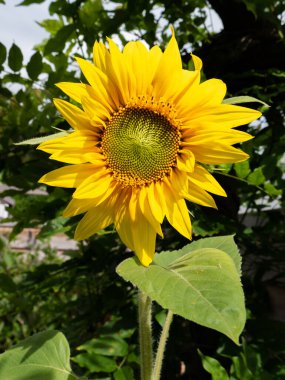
x: 49, y: 281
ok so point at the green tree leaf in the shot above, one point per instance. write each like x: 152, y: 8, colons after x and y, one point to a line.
x: 7, y: 284
x: 35, y: 65
x: 29, y: 2
x: 243, y: 99
x: 202, y: 285
x: 57, y: 43
x: 125, y: 373
x: 108, y: 345
x: 15, y: 58
x: 213, y: 366
x: 242, y: 169
x: 43, y: 356
x: 3, y: 53
x: 95, y: 363
x: 256, y: 177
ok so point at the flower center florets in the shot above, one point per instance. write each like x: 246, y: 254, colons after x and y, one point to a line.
x: 140, y: 145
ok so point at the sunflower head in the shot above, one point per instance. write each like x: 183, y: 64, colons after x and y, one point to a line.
x: 142, y: 134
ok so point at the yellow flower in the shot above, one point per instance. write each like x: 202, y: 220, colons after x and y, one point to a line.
x: 143, y: 131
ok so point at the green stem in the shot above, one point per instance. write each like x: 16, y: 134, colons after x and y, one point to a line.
x: 145, y: 336
x: 161, y: 347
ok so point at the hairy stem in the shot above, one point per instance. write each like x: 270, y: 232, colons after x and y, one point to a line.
x: 161, y: 347
x: 145, y: 336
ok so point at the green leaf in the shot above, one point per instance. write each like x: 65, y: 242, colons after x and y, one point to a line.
x: 108, y: 345
x: 29, y: 2
x: 95, y: 363
x: 125, y: 373
x: 15, y: 58
x: 213, y: 366
x: 57, y: 43
x: 39, y: 140
x: 243, y: 99
x: 35, y: 65
x: 202, y: 285
x: 256, y: 177
x: 242, y: 169
x: 7, y: 284
x: 271, y: 190
x: 3, y: 53
x: 43, y: 356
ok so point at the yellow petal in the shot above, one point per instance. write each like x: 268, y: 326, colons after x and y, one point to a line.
x: 177, y: 212
x: 144, y: 237
x: 186, y: 161
x: 73, y: 115
x: 197, y: 195
x: 199, y: 98
x: 68, y: 176
x: 100, y: 55
x: 198, y: 64
x: 154, y: 203
x: 203, y: 179
x: 78, y: 206
x: 94, y: 186
x: 74, y: 90
x: 218, y: 153
x: 146, y: 211
x: 94, y: 220
x: 224, y: 115
x: 169, y: 63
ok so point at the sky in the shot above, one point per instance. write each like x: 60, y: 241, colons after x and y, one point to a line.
x: 18, y: 25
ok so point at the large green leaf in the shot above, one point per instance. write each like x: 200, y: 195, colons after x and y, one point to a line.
x: 202, y: 285
x: 43, y: 356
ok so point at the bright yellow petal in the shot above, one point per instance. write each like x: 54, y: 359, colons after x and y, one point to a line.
x: 94, y: 220
x: 146, y: 210
x: 203, y: 179
x: 186, y: 161
x: 218, y: 153
x: 144, y: 237
x: 177, y: 212
x: 222, y: 115
x: 73, y: 115
x: 198, y: 98
x: 154, y: 203
x: 94, y: 186
x: 198, y: 64
x: 197, y: 195
x: 68, y: 176
x: 100, y: 55
x: 168, y: 64
x: 74, y: 90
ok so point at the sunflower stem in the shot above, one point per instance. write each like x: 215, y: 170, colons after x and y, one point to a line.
x: 161, y: 347
x: 145, y: 336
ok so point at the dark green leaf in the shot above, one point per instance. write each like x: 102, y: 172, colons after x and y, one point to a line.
x: 3, y: 53
x: 29, y: 2
x: 35, y: 65
x: 212, y: 366
x: 95, y: 363
x: 57, y: 43
x: 15, y: 58
x: 108, y: 345
x: 7, y: 284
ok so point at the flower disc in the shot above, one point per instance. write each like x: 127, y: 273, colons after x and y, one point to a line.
x: 140, y: 145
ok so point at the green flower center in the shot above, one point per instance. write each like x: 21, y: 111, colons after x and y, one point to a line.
x: 140, y: 145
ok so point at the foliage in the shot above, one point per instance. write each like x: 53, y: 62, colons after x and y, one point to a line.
x: 78, y: 292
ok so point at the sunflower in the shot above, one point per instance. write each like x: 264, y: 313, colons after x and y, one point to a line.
x: 143, y: 134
